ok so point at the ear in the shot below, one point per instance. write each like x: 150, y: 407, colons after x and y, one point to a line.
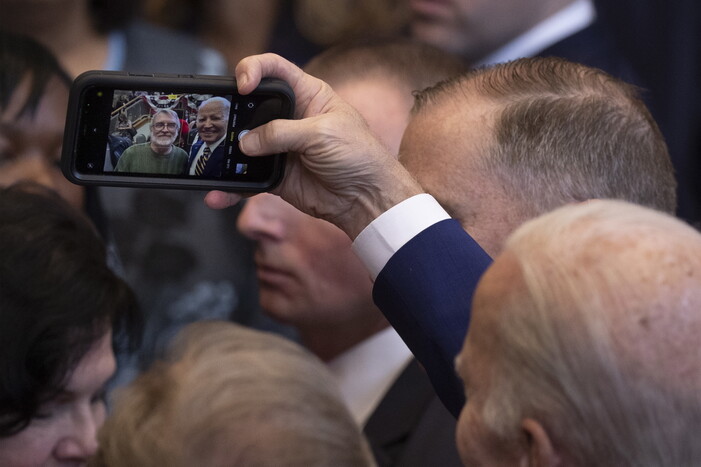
x: 539, y: 448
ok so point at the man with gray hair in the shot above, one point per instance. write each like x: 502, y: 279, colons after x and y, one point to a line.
x: 159, y: 155
x: 582, y: 348
x: 207, y: 154
x: 501, y: 145
x: 495, y: 147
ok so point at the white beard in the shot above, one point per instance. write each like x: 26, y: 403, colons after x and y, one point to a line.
x: 163, y: 140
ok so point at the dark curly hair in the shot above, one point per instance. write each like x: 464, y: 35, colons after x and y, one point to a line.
x: 57, y: 298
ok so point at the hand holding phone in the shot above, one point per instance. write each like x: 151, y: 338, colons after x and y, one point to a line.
x: 170, y: 131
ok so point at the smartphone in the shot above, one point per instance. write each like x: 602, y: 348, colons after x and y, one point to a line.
x: 170, y: 131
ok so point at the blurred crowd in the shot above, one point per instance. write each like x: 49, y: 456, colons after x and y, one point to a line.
x: 322, y: 347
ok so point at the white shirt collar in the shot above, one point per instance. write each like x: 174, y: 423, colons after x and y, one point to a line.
x: 559, y: 26
x: 367, y: 371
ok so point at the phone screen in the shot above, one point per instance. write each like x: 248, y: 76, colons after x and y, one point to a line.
x: 168, y: 134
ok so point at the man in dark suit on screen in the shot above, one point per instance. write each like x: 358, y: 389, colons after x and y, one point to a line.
x: 207, y: 154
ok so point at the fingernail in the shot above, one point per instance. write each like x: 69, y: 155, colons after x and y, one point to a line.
x: 242, y: 80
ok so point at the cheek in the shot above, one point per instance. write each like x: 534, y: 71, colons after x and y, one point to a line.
x: 333, y: 263
x: 100, y: 415
x: 471, y: 437
x: 462, y: 434
x: 32, y: 446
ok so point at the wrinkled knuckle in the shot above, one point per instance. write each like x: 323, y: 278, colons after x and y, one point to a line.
x: 272, y: 130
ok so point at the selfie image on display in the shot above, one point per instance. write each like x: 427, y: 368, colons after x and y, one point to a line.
x: 158, y: 133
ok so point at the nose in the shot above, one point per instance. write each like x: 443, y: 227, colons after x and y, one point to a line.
x: 80, y: 439
x: 261, y: 218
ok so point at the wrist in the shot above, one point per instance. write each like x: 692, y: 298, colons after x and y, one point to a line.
x: 393, y: 186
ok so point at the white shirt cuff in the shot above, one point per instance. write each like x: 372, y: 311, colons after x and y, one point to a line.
x: 393, y: 228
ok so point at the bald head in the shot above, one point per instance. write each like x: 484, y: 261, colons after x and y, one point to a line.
x: 503, y: 144
x: 596, y: 330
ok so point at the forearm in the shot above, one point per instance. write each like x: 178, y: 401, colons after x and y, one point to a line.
x: 426, y: 269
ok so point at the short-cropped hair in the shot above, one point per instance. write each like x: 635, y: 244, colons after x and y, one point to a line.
x: 227, y: 395
x: 404, y: 61
x: 564, y: 132
x: 58, y: 297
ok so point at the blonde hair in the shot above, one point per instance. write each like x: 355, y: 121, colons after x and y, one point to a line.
x: 594, y: 347
x: 228, y: 395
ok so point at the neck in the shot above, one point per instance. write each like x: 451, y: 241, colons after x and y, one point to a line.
x: 328, y: 342
x: 233, y: 32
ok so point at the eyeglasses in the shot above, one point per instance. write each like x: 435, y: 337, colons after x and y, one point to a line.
x: 161, y: 125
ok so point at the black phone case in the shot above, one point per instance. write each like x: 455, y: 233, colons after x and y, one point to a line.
x: 202, y: 84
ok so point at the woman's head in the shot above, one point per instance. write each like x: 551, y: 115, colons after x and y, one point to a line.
x: 59, y: 305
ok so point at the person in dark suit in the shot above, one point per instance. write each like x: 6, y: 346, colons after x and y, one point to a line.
x: 651, y: 43
x: 485, y: 33
x: 511, y: 171
x: 310, y: 278
x: 207, y: 154
x: 350, y: 179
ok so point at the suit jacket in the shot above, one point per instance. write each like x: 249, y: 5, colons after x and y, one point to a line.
x: 411, y: 427
x: 425, y: 291
x: 214, y: 164
x: 426, y: 288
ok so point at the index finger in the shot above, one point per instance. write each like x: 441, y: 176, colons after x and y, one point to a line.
x: 311, y: 94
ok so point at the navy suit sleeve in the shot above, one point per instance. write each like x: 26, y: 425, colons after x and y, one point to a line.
x: 425, y: 291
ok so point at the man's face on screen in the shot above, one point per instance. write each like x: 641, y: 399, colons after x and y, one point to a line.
x: 212, y: 118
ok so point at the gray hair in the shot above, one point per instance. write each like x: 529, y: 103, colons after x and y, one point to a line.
x: 564, y: 132
x: 235, y: 396
x: 169, y: 112
x: 600, y: 344
x: 217, y: 99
